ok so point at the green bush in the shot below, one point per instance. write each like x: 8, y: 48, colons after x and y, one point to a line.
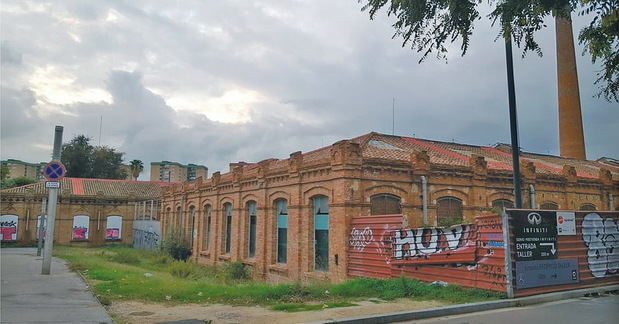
x: 176, y: 245
x: 126, y: 257
x: 237, y: 271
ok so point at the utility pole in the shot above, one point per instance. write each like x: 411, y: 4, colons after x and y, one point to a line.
x: 41, y: 228
x: 513, y: 121
x: 51, y: 208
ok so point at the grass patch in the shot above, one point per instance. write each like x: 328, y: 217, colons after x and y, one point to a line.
x: 122, y: 273
x: 300, y: 307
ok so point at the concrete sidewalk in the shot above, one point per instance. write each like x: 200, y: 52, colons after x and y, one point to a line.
x: 29, y: 297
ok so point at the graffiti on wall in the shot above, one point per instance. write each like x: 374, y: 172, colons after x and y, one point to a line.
x: 146, y: 234
x: 113, y: 228
x: 601, y: 236
x: 359, y: 239
x: 8, y: 227
x: 425, y: 242
x: 81, y: 223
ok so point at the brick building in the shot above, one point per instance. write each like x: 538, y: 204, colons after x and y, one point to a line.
x: 289, y: 219
x: 166, y: 171
x: 90, y: 212
x: 19, y: 168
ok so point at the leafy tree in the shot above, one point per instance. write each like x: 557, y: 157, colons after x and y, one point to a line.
x: 83, y: 160
x: 136, y: 168
x: 107, y: 164
x: 429, y: 25
x: 16, y: 182
x: 4, y: 172
x: 77, y: 157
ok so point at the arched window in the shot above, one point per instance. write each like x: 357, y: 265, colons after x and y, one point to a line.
x: 192, y: 233
x: 207, y: 227
x: 588, y: 207
x: 385, y: 204
x: 228, y: 227
x: 8, y: 227
x: 281, y: 216
x: 502, y: 203
x: 113, y: 228
x: 448, y: 210
x: 320, y: 207
x: 549, y: 205
x: 168, y: 215
x: 251, y: 231
x: 81, y: 224
x: 179, y: 218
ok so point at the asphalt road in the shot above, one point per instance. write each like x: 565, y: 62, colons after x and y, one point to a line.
x: 584, y: 310
x: 29, y: 297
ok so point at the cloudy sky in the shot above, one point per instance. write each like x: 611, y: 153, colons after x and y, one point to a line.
x: 212, y: 82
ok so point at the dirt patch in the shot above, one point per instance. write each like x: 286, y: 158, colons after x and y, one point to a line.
x: 255, y: 314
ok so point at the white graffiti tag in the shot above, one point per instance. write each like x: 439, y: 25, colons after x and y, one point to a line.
x: 425, y: 241
x: 360, y: 238
x: 601, y: 235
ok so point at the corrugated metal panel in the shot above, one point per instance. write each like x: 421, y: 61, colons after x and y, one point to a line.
x: 597, y: 252
x: 370, y: 245
x: 470, y: 255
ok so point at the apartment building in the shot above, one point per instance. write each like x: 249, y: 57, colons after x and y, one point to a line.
x: 166, y: 171
x: 19, y: 168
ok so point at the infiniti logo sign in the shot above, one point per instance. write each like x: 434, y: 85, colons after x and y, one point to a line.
x: 534, y: 218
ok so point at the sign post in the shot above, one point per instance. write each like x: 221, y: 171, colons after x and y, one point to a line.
x: 53, y: 171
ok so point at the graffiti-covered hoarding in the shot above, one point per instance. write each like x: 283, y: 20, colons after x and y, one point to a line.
x: 146, y: 234
x: 469, y: 255
x: 590, y: 237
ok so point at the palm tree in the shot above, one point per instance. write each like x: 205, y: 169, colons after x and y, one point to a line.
x: 136, y: 168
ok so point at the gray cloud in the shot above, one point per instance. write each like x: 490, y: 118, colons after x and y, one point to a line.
x: 319, y: 71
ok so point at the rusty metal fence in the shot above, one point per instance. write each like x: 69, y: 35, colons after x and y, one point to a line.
x: 547, y: 251
x: 470, y: 255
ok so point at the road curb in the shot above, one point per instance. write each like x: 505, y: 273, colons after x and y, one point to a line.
x: 469, y: 308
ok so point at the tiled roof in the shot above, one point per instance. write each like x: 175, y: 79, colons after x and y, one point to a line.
x: 91, y: 187
x: 445, y: 153
x: 389, y: 147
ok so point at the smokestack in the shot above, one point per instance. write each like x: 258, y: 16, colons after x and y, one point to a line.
x: 571, y: 137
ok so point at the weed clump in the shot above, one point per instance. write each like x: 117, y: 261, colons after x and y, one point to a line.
x: 176, y: 245
x: 161, y: 259
x: 237, y: 271
x: 126, y: 257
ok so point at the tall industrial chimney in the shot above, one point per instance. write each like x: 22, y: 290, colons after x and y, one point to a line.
x: 571, y: 137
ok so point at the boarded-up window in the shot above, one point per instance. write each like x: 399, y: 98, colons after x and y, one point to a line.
x: 588, y: 207
x: 81, y: 224
x: 549, y: 205
x: 113, y: 228
x: 448, y: 210
x: 385, y: 204
x: 8, y: 227
x: 503, y: 203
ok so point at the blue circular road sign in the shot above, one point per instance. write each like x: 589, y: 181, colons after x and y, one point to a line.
x: 54, y: 171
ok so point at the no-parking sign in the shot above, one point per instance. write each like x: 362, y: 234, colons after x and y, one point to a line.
x: 54, y: 171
